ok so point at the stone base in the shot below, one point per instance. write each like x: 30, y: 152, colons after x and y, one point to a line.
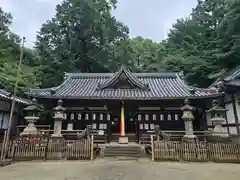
x: 219, y: 138
x: 29, y: 131
x: 5, y: 162
x: 220, y: 134
x: 123, y: 140
x: 235, y: 139
x: 188, y: 138
x: 57, y: 136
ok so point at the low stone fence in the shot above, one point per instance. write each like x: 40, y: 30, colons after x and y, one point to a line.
x: 200, y: 151
x: 51, y: 149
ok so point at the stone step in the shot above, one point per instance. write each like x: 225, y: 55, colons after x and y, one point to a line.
x: 121, y: 154
x: 122, y: 151
x: 123, y: 147
x: 121, y: 158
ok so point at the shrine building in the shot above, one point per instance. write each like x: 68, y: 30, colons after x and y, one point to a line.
x: 5, y: 108
x: 126, y: 103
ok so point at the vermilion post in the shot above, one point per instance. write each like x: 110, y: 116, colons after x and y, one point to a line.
x: 122, y: 122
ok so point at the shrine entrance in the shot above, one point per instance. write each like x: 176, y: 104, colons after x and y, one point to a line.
x: 130, y: 124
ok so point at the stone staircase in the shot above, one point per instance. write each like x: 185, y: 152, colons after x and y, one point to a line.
x: 123, y: 151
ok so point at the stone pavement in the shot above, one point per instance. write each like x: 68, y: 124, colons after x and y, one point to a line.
x: 109, y: 169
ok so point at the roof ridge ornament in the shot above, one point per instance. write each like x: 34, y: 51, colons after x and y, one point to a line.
x: 181, y: 74
x: 65, y: 75
x: 192, y: 90
x: 122, y: 75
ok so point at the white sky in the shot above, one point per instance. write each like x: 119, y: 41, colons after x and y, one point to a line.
x: 147, y: 18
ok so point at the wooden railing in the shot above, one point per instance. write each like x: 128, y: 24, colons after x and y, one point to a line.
x: 51, y: 149
x: 72, y: 134
x: 145, y: 138
x: 189, y: 151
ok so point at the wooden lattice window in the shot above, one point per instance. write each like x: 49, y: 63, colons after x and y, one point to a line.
x: 139, y: 117
x: 102, y: 126
x: 161, y: 117
x: 94, y: 126
x: 154, y: 117
x: 169, y: 117
x: 86, y: 116
x: 79, y: 116
x: 176, y: 117
x: 108, y: 117
x: 72, y: 116
x: 146, y: 117
x: 69, y: 126
x: 94, y: 116
x: 101, y: 117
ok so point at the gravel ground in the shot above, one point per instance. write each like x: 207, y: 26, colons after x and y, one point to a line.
x: 109, y: 169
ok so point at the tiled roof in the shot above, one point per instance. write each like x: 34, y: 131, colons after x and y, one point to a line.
x: 234, y: 83
x: 6, y: 95
x: 142, y: 86
x: 227, y: 75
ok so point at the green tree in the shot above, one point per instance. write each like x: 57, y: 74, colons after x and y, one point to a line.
x: 80, y: 37
x: 228, y: 41
x: 194, y: 40
x: 9, y: 57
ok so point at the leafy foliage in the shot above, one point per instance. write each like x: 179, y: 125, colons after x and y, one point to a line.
x: 9, y: 57
x: 81, y: 37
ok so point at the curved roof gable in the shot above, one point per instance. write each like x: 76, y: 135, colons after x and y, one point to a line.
x: 123, y: 75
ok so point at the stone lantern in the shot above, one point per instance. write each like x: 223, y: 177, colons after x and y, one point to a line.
x: 59, y: 116
x: 32, y: 116
x: 188, y: 120
x: 217, y: 114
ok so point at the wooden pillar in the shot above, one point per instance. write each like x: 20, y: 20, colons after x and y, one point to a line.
x: 226, y: 118
x: 233, y: 99
x: 204, y: 115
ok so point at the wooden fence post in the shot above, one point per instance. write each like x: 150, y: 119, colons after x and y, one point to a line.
x: 152, y: 142
x: 46, y: 149
x: 3, y: 147
x: 92, y: 139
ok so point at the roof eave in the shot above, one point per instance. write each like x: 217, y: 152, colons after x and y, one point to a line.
x: 130, y: 98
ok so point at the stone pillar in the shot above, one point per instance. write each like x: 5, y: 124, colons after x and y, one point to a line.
x: 31, y: 117
x: 58, y: 117
x: 218, y: 117
x: 188, y: 120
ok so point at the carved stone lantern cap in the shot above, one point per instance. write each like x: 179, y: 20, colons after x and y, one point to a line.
x: 186, y: 106
x: 59, y: 107
x: 33, y: 106
x: 216, y: 107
